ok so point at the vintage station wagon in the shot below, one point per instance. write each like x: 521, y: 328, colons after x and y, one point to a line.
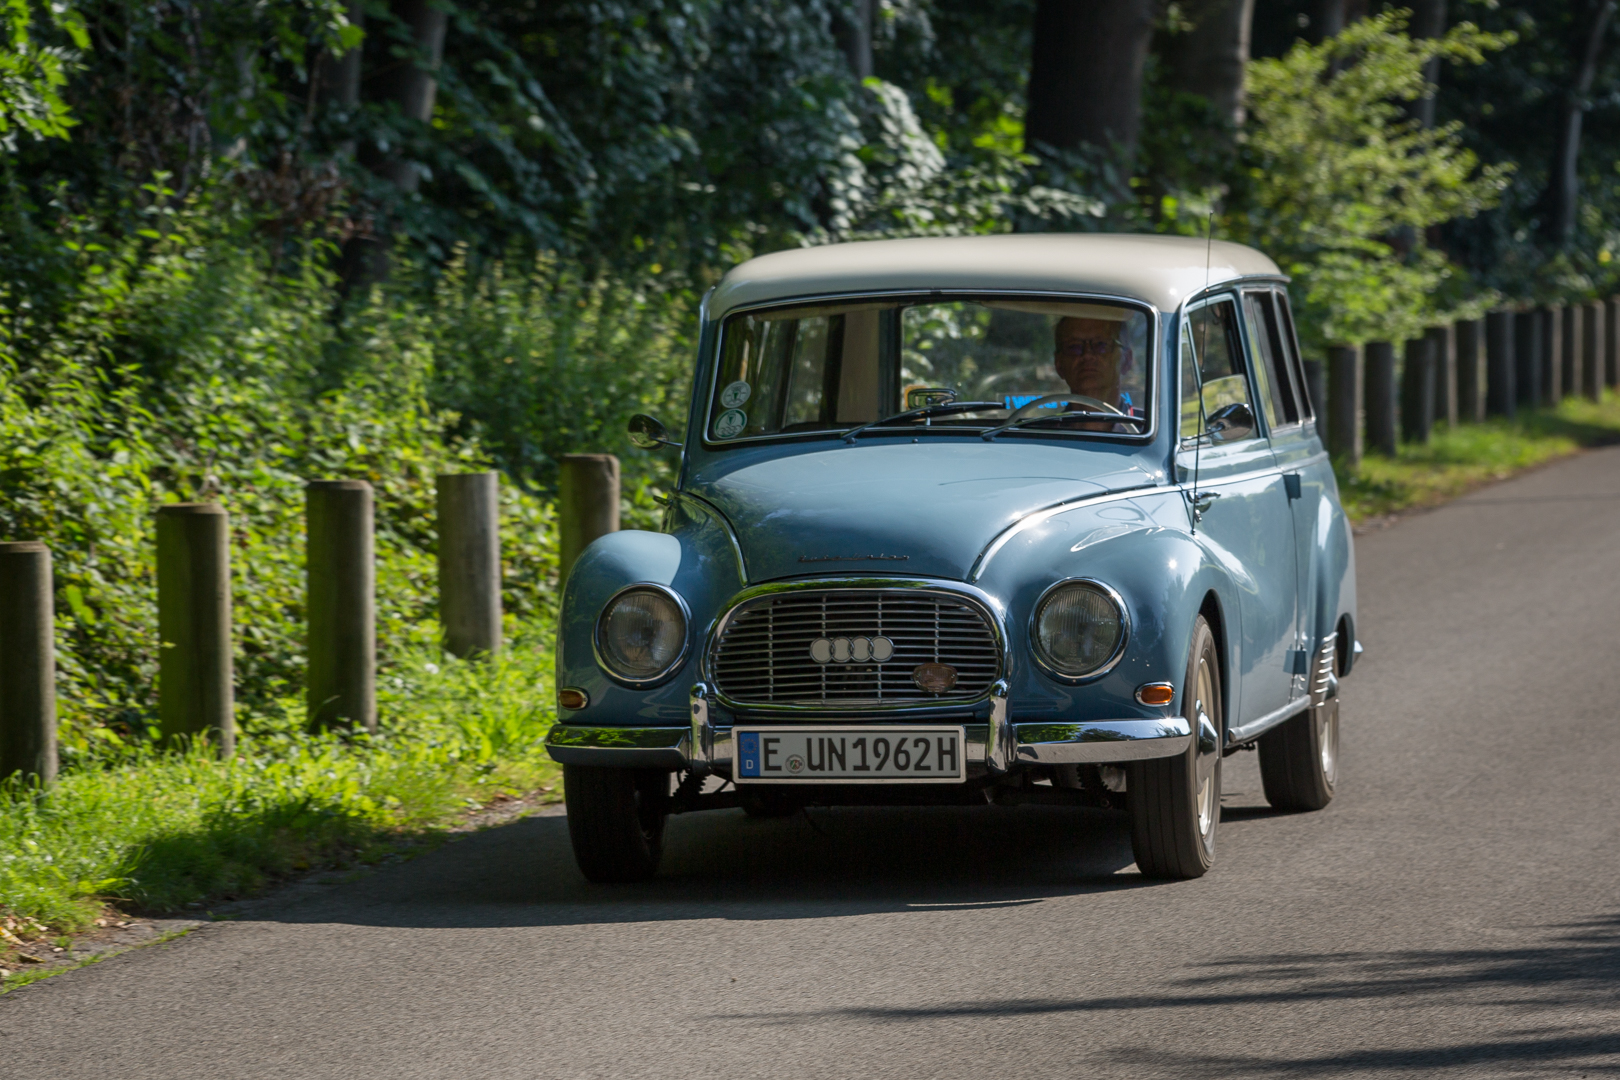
x: 987, y: 520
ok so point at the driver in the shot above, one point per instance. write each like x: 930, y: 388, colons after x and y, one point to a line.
x: 1088, y: 354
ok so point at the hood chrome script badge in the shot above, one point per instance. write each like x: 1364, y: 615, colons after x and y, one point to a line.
x: 853, y: 558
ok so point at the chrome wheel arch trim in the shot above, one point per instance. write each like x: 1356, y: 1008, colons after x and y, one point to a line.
x: 994, y: 612
x: 673, y: 667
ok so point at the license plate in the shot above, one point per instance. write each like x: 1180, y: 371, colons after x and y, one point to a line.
x: 848, y: 755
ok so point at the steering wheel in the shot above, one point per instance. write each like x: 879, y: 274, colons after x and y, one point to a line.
x: 1029, y: 408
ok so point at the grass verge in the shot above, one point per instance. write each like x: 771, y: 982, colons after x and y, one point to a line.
x: 142, y: 829
x: 1457, y: 460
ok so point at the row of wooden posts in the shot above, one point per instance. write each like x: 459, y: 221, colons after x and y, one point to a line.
x: 1513, y: 358
x: 196, y: 681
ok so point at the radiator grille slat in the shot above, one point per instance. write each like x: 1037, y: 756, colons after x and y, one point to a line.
x: 763, y: 654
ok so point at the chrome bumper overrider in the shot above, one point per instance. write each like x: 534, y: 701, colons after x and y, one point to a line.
x: 1098, y: 741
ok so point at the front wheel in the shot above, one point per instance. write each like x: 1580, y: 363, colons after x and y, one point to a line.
x: 1176, y: 801
x: 616, y: 820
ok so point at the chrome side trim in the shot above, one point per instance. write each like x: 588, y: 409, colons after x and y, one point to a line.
x: 617, y: 747
x: 1030, y: 520
x: 674, y: 665
x: 1102, y: 741
x: 1255, y: 728
x: 996, y: 617
x: 725, y: 526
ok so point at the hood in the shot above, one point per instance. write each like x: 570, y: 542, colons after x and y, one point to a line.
x: 916, y: 509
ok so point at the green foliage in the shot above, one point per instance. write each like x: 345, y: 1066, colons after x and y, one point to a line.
x: 1342, y: 181
x: 32, y: 74
x: 162, y: 830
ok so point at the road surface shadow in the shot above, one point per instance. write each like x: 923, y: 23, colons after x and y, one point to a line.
x: 1556, y: 999
x: 723, y: 864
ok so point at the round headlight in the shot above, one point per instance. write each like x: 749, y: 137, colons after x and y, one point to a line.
x: 1079, y: 629
x: 641, y: 634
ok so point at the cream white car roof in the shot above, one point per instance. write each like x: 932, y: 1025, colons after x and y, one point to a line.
x: 1159, y: 270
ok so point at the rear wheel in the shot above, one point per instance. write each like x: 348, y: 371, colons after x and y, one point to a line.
x: 1176, y: 801
x: 1299, y: 759
x: 616, y: 820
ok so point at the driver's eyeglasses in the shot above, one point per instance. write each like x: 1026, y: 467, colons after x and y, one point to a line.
x: 1091, y: 347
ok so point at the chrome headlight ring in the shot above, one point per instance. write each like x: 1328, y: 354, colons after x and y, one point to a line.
x: 1106, y: 666
x: 601, y: 654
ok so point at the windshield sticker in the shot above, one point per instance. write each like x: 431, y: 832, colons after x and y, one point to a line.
x: 731, y: 423
x: 735, y: 396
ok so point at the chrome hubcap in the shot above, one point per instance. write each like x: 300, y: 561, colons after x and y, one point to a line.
x: 1327, y: 738
x: 1205, y: 764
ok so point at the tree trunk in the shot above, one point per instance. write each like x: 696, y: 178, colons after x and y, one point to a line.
x: 409, y: 83
x: 1210, y: 59
x: 1563, y: 187
x: 1428, y: 21
x: 340, y: 75
x: 1085, y: 76
x: 854, y: 34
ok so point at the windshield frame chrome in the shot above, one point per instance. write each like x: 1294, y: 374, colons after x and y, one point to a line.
x: 923, y: 294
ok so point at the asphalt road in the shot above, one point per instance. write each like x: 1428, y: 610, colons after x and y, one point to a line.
x: 1455, y: 910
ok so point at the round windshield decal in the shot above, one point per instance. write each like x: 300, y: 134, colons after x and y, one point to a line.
x: 730, y: 424
x: 735, y: 396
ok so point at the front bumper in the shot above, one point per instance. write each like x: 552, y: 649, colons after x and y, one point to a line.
x: 1090, y: 742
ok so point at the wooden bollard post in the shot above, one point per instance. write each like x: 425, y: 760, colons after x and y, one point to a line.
x: 468, y: 507
x: 341, y: 601
x: 1527, y: 359
x: 1344, y: 402
x: 1381, y: 397
x: 1470, y: 342
x: 196, y: 695
x: 589, y: 505
x: 1443, y: 340
x: 1592, y: 373
x: 27, y: 662
x: 1417, y: 390
x: 1500, y: 399
x: 1569, y: 364
x: 1552, y: 351
x: 1611, y: 342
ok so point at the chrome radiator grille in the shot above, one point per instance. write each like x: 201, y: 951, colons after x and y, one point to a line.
x: 764, y: 653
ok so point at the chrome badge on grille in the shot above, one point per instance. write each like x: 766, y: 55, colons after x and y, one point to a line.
x: 843, y: 650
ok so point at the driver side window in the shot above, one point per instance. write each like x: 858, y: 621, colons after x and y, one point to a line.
x: 1211, y: 356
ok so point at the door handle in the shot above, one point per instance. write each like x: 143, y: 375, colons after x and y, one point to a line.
x: 1291, y: 484
x: 1201, y: 502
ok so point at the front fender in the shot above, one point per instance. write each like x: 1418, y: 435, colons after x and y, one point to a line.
x: 697, y: 559
x: 1141, y: 548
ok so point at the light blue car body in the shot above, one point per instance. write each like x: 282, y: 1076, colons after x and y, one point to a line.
x: 1270, y: 561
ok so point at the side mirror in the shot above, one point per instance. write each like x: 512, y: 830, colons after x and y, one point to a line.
x: 1232, y: 422
x: 649, y: 433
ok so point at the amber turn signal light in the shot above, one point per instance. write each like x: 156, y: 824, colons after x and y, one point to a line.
x: 1155, y: 693
x: 571, y: 697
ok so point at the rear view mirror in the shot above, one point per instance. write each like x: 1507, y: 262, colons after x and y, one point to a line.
x: 649, y: 433
x: 1232, y: 422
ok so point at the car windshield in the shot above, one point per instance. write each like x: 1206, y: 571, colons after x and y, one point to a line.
x: 833, y: 366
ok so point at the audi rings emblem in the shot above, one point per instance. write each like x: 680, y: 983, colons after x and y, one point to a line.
x: 843, y: 650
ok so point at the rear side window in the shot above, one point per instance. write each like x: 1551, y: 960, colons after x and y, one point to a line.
x: 1270, y: 359
x: 1211, y: 354
x: 1296, y: 364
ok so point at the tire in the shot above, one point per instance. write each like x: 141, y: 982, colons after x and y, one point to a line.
x: 616, y: 821
x: 1176, y: 801
x: 1299, y: 760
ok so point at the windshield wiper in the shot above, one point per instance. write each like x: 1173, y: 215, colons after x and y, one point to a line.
x: 1114, y: 418
x: 927, y: 410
